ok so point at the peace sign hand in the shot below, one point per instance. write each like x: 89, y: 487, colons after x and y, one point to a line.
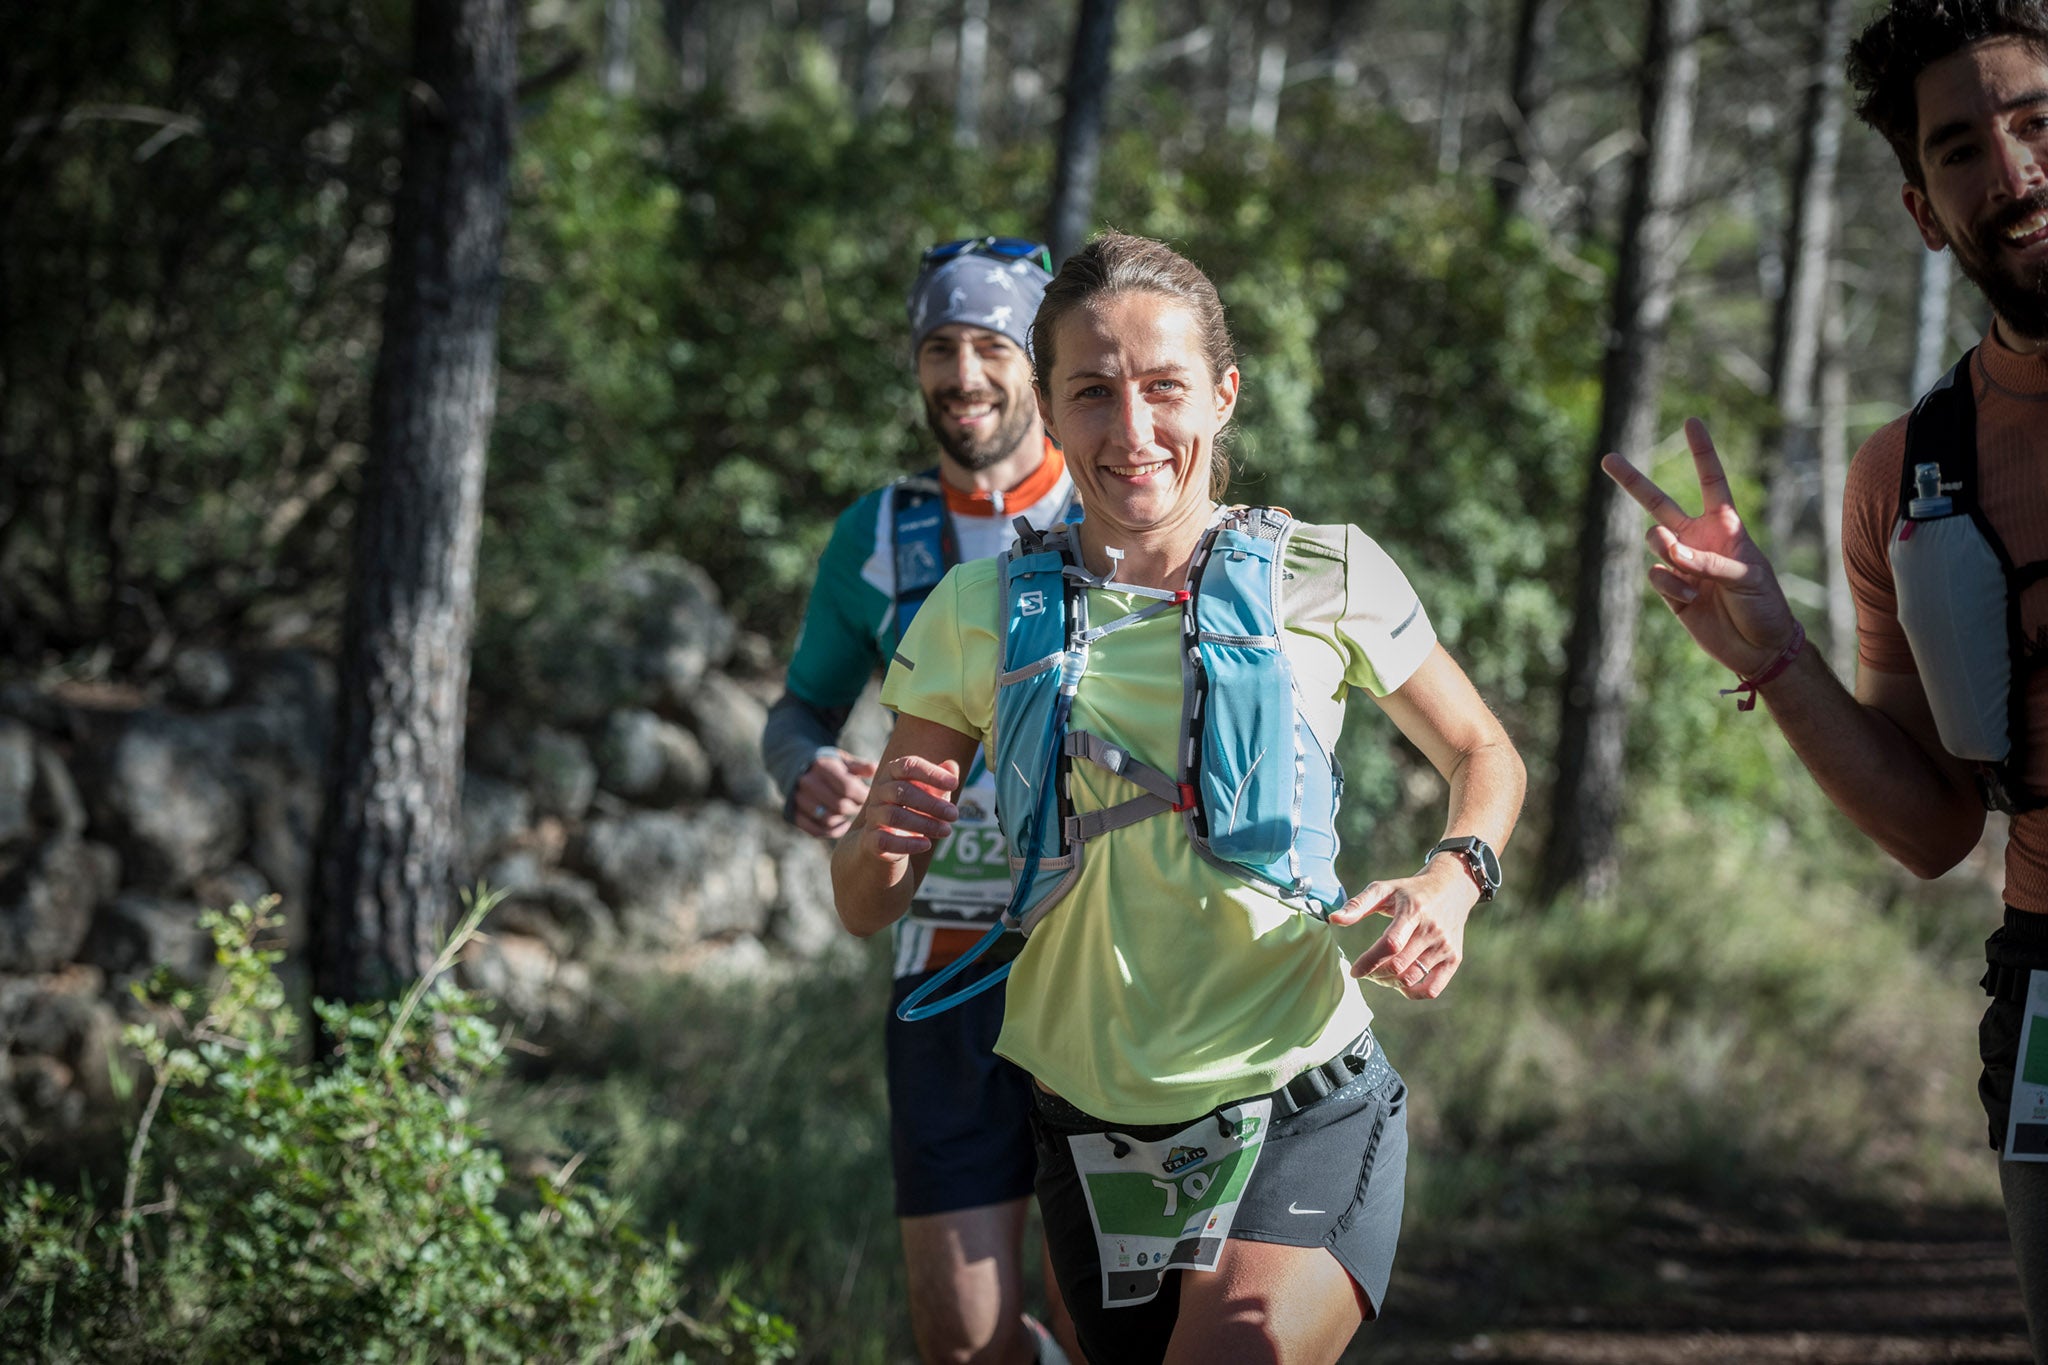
x: 1713, y: 576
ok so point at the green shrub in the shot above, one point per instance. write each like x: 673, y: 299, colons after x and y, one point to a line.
x: 351, y: 1210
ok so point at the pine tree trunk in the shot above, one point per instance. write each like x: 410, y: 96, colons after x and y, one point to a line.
x: 973, y: 68
x: 1272, y: 73
x: 1080, y: 150
x: 618, y: 48
x: 1930, y: 332
x: 1461, y: 35
x: 868, y: 82
x: 1795, y: 339
x: 388, y: 848
x: 1528, y: 92
x: 1586, y: 801
x: 1834, y: 474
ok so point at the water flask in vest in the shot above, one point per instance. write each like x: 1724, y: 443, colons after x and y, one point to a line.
x: 1951, y: 588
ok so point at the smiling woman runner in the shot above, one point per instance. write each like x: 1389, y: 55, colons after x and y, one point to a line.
x: 1221, y: 1143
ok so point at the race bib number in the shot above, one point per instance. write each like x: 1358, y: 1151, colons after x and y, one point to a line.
x: 968, y: 882
x: 1167, y: 1205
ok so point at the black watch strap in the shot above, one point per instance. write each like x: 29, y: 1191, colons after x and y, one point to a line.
x: 1478, y: 857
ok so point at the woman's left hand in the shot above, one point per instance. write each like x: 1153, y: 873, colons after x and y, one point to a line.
x: 1425, y: 940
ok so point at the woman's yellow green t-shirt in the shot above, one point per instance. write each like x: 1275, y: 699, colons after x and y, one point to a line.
x: 1162, y: 986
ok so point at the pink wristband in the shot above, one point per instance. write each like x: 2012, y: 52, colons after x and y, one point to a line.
x: 1748, y: 686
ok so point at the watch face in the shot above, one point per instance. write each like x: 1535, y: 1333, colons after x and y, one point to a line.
x: 1488, y: 863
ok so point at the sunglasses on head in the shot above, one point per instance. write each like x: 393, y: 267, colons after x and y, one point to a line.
x: 1002, y: 248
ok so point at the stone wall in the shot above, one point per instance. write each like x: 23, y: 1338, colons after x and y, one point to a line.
x: 614, y: 791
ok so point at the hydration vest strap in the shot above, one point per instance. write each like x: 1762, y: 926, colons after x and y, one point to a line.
x: 921, y: 542
x: 919, y: 1003
x: 1096, y: 823
x: 1103, y: 754
x: 1133, y: 618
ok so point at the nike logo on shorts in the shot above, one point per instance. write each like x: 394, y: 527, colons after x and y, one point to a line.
x: 1292, y: 1209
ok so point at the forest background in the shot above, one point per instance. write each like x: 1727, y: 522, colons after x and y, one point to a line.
x: 1466, y: 247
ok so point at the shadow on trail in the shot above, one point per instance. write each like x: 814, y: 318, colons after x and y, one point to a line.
x: 1871, y: 1287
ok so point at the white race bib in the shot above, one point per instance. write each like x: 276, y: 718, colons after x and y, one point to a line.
x: 1168, y: 1204
x: 968, y: 882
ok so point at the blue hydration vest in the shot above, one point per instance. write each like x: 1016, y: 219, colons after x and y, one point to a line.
x: 922, y: 540
x: 1257, y: 787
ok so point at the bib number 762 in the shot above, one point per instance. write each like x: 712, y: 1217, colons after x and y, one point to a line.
x: 968, y: 847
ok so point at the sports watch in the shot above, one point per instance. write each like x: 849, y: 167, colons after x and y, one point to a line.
x: 1479, y: 859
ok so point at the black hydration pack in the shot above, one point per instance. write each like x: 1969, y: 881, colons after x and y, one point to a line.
x: 1959, y: 595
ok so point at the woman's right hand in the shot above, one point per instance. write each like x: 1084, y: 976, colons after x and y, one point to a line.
x: 877, y: 866
x: 909, y: 807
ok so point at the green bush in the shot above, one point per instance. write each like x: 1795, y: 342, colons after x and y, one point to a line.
x: 351, y: 1210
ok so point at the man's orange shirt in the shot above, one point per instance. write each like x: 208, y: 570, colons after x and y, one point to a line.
x: 2012, y: 481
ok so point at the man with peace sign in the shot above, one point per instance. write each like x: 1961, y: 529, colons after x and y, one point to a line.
x: 1944, y: 535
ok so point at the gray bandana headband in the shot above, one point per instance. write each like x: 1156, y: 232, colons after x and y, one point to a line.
x: 980, y: 291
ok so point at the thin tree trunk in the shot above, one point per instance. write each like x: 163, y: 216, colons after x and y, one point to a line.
x: 1080, y: 150
x: 1272, y: 73
x: 682, y: 26
x: 973, y: 68
x: 1795, y: 333
x: 1930, y: 331
x: 388, y: 848
x: 1586, y: 802
x: 1241, y: 67
x: 1834, y: 474
x: 618, y: 48
x: 874, y: 32
x: 1341, y: 21
x: 1461, y: 35
x: 1529, y: 87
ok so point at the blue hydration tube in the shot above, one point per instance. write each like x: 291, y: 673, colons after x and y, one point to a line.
x: 919, y: 1003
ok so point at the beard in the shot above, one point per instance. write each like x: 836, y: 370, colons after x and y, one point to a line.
x: 978, y: 453
x: 2017, y: 294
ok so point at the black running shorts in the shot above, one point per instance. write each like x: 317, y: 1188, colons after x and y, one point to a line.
x: 959, y: 1116
x: 1329, y: 1176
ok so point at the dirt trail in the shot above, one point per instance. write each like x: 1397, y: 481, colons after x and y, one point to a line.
x: 1938, y: 1287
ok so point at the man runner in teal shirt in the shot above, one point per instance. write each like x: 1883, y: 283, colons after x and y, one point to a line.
x: 960, y: 1137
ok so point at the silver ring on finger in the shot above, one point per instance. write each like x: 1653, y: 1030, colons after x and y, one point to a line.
x: 818, y: 811
x: 1420, y: 973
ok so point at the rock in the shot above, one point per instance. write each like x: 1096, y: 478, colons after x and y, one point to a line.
x: 563, y: 911
x: 201, y: 677
x: 17, y: 782
x: 651, y: 760
x: 284, y: 818
x: 137, y: 933
x: 682, y: 627
x: 560, y: 774
x: 519, y: 972
x: 803, y: 921
x: 519, y: 870
x: 57, y: 804
x: 674, y: 879
x: 60, y: 1018
x: 44, y: 1096
x: 494, y: 812
x: 46, y: 903
x: 171, y: 798
x: 636, y: 633
x: 753, y: 656
x: 293, y: 691
x: 236, y: 884
x: 729, y: 722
